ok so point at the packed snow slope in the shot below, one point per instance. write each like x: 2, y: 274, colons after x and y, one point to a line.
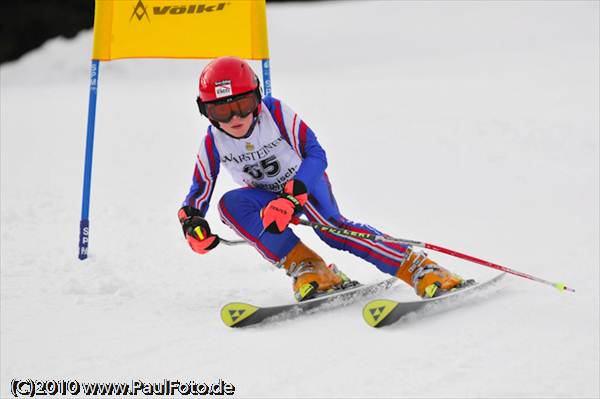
x: 470, y: 125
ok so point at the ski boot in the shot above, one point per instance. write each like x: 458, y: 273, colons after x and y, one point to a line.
x: 311, y: 275
x: 427, y: 278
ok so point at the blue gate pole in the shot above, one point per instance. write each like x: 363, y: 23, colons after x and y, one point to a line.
x: 266, y: 69
x: 84, y: 225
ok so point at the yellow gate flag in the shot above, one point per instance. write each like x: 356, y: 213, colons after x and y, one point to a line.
x: 180, y: 29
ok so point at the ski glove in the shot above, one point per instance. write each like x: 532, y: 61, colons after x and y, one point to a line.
x: 277, y: 215
x: 196, y: 230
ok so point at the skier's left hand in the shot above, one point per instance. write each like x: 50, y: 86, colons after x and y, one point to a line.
x: 278, y: 213
x: 196, y: 230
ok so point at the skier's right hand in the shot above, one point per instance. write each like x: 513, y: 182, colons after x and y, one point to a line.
x: 196, y: 230
x: 279, y: 212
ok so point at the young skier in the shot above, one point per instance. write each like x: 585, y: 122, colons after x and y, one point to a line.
x: 270, y: 151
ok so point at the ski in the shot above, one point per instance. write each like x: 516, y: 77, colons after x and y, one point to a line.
x: 239, y: 314
x: 383, y: 312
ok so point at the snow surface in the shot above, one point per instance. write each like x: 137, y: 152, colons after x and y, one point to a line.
x: 470, y: 125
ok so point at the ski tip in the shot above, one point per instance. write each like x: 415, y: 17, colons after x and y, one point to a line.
x: 234, y: 313
x: 376, y: 311
x: 561, y: 287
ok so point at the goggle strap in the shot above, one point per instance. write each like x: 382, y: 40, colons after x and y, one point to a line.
x: 201, y: 106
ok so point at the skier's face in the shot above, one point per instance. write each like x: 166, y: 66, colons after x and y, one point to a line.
x: 237, y: 126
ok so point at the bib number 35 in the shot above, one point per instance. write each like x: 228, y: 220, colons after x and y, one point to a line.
x: 268, y: 166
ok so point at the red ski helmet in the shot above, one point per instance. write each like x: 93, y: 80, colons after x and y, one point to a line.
x: 224, y: 80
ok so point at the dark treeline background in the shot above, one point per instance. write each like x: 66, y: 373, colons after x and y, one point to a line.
x: 27, y: 24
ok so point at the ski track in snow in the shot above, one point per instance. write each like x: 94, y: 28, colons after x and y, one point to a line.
x: 472, y: 125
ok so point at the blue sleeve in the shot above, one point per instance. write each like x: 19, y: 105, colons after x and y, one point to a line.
x: 302, y: 140
x: 205, y: 175
x: 314, y: 160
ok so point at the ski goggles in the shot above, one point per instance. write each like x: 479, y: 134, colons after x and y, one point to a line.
x: 224, y: 110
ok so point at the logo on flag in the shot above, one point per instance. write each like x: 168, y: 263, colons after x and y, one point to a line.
x: 139, y: 11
